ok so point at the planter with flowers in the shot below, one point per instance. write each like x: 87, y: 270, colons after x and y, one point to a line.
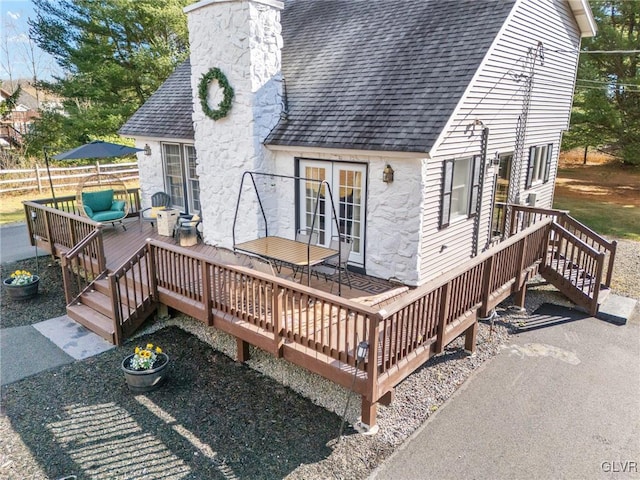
x: 22, y: 285
x: 145, y: 369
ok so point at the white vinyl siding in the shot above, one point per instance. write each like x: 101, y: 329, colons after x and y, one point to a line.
x: 495, y: 97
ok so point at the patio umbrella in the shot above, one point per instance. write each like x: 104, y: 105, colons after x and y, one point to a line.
x: 95, y: 149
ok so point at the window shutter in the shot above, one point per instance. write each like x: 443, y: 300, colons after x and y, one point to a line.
x: 447, y: 187
x: 475, y: 185
x: 532, y: 163
x: 547, y: 163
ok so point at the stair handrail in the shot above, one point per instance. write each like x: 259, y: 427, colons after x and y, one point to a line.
x: 75, y: 253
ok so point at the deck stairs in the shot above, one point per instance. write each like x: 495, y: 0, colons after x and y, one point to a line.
x: 94, y: 309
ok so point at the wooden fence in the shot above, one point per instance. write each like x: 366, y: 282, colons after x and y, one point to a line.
x: 30, y: 179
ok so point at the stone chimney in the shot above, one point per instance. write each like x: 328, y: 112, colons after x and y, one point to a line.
x: 242, y: 38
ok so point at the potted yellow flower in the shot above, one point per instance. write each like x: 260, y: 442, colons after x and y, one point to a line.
x: 22, y: 285
x: 145, y: 369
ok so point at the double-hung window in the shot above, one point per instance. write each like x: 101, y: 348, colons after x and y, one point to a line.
x: 539, y: 166
x: 460, y: 189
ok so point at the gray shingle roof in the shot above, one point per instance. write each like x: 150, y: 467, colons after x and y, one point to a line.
x: 380, y: 74
x: 167, y: 113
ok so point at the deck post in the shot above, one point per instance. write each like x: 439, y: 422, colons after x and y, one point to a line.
x: 242, y: 350
x: 206, y: 292
x: 521, y: 282
x: 115, y: 300
x: 277, y: 322
x: 387, y: 398
x: 442, y: 319
x: 369, y: 412
x: 486, y: 285
x: 471, y: 336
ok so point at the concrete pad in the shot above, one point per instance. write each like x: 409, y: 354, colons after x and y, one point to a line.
x: 24, y: 352
x: 74, y: 339
x: 617, y: 309
x: 561, y: 401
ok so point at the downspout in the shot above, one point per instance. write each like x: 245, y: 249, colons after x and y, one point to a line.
x: 478, y: 207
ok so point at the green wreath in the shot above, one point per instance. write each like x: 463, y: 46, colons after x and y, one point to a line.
x: 203, y: 92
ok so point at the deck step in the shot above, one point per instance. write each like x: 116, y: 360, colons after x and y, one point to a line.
x: 98, y: 301
x: 94, y: 321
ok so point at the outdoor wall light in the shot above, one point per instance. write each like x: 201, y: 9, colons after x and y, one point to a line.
x: 361, y: 351
x: 387, y: 174
x: 147, y: 149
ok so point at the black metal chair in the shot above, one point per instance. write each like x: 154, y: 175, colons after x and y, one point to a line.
x: 159, y: 201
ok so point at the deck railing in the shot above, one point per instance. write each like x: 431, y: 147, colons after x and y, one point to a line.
x: 59, y: 231
x: 82, y: 265
x: 523, y: 217
x: 424, y: 321
x: 67, y: 203
x: 133, y: 293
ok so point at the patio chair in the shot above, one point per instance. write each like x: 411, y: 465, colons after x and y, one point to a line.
x: 263, y: 266
x: 304, y: 236
x: 159, y: 201
x: 103, y: 198
x: 333, y: 265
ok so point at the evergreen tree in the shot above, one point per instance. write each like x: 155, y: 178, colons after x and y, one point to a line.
x: 115, y: 54
x: 607, y: 99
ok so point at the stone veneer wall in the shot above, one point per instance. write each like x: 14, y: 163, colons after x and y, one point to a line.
x: 243, y: 39
x: 150, y: 166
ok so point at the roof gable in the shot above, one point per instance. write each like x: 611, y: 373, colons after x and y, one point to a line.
x: 167, y: 113
x: 381, y: 75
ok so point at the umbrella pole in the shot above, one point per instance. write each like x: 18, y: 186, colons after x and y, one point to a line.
x: 46, y: 161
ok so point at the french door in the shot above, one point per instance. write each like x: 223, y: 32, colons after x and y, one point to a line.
x: 347, y: 182
x: 180, y: 178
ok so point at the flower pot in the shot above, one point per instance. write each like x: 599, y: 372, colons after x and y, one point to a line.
x: 141, y: 381
x: 21, y: 292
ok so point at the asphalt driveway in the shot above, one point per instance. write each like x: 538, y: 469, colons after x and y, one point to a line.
x: 561, y: 401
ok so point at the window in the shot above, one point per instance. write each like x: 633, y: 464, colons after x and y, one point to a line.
x: 539, y: 166
x: 460, y: 189
x: 180, y: 177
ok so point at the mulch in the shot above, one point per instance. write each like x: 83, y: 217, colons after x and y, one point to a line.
x: 213, y: 418
x: 50, y: 301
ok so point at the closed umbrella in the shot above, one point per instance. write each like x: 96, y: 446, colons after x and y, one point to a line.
x: 95, y: 149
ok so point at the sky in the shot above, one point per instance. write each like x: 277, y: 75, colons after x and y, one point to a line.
x: 14, y: 32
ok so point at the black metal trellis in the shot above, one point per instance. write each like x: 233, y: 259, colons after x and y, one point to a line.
x: 296, y: 179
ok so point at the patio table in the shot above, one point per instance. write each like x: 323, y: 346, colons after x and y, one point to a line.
x: 288, y: 251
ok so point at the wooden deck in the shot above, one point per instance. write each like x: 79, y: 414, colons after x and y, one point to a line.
x: 114, y: 279
x: 120, y: 245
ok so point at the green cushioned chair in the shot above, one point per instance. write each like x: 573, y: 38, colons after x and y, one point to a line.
x: 102, y: 200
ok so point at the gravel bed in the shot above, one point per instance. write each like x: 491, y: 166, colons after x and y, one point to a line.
x: 266, y: 419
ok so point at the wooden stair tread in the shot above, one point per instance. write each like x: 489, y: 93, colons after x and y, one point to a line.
x: 93, y: 320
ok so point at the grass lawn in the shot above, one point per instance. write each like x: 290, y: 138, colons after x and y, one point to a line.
x: 603, y: 195
x: 12, y: 210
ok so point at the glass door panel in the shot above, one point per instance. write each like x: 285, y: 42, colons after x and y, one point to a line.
x: 173, y: 175
x: 347, y: 182
x: 193, y: 184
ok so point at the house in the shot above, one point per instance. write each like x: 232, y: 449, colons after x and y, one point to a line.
x: 417, y: 129
x: 464, y: 101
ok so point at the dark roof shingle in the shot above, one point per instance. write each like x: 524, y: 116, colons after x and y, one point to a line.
x: 380, y: 75
x: 167, y: 113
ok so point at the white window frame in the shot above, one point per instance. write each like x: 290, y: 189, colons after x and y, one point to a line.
x: 460, y: 189
x: 539, y: 166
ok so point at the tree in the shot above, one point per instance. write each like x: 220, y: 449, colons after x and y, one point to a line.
x: 115, y: 54
x: 9, y: 104
x: 607, y: 100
